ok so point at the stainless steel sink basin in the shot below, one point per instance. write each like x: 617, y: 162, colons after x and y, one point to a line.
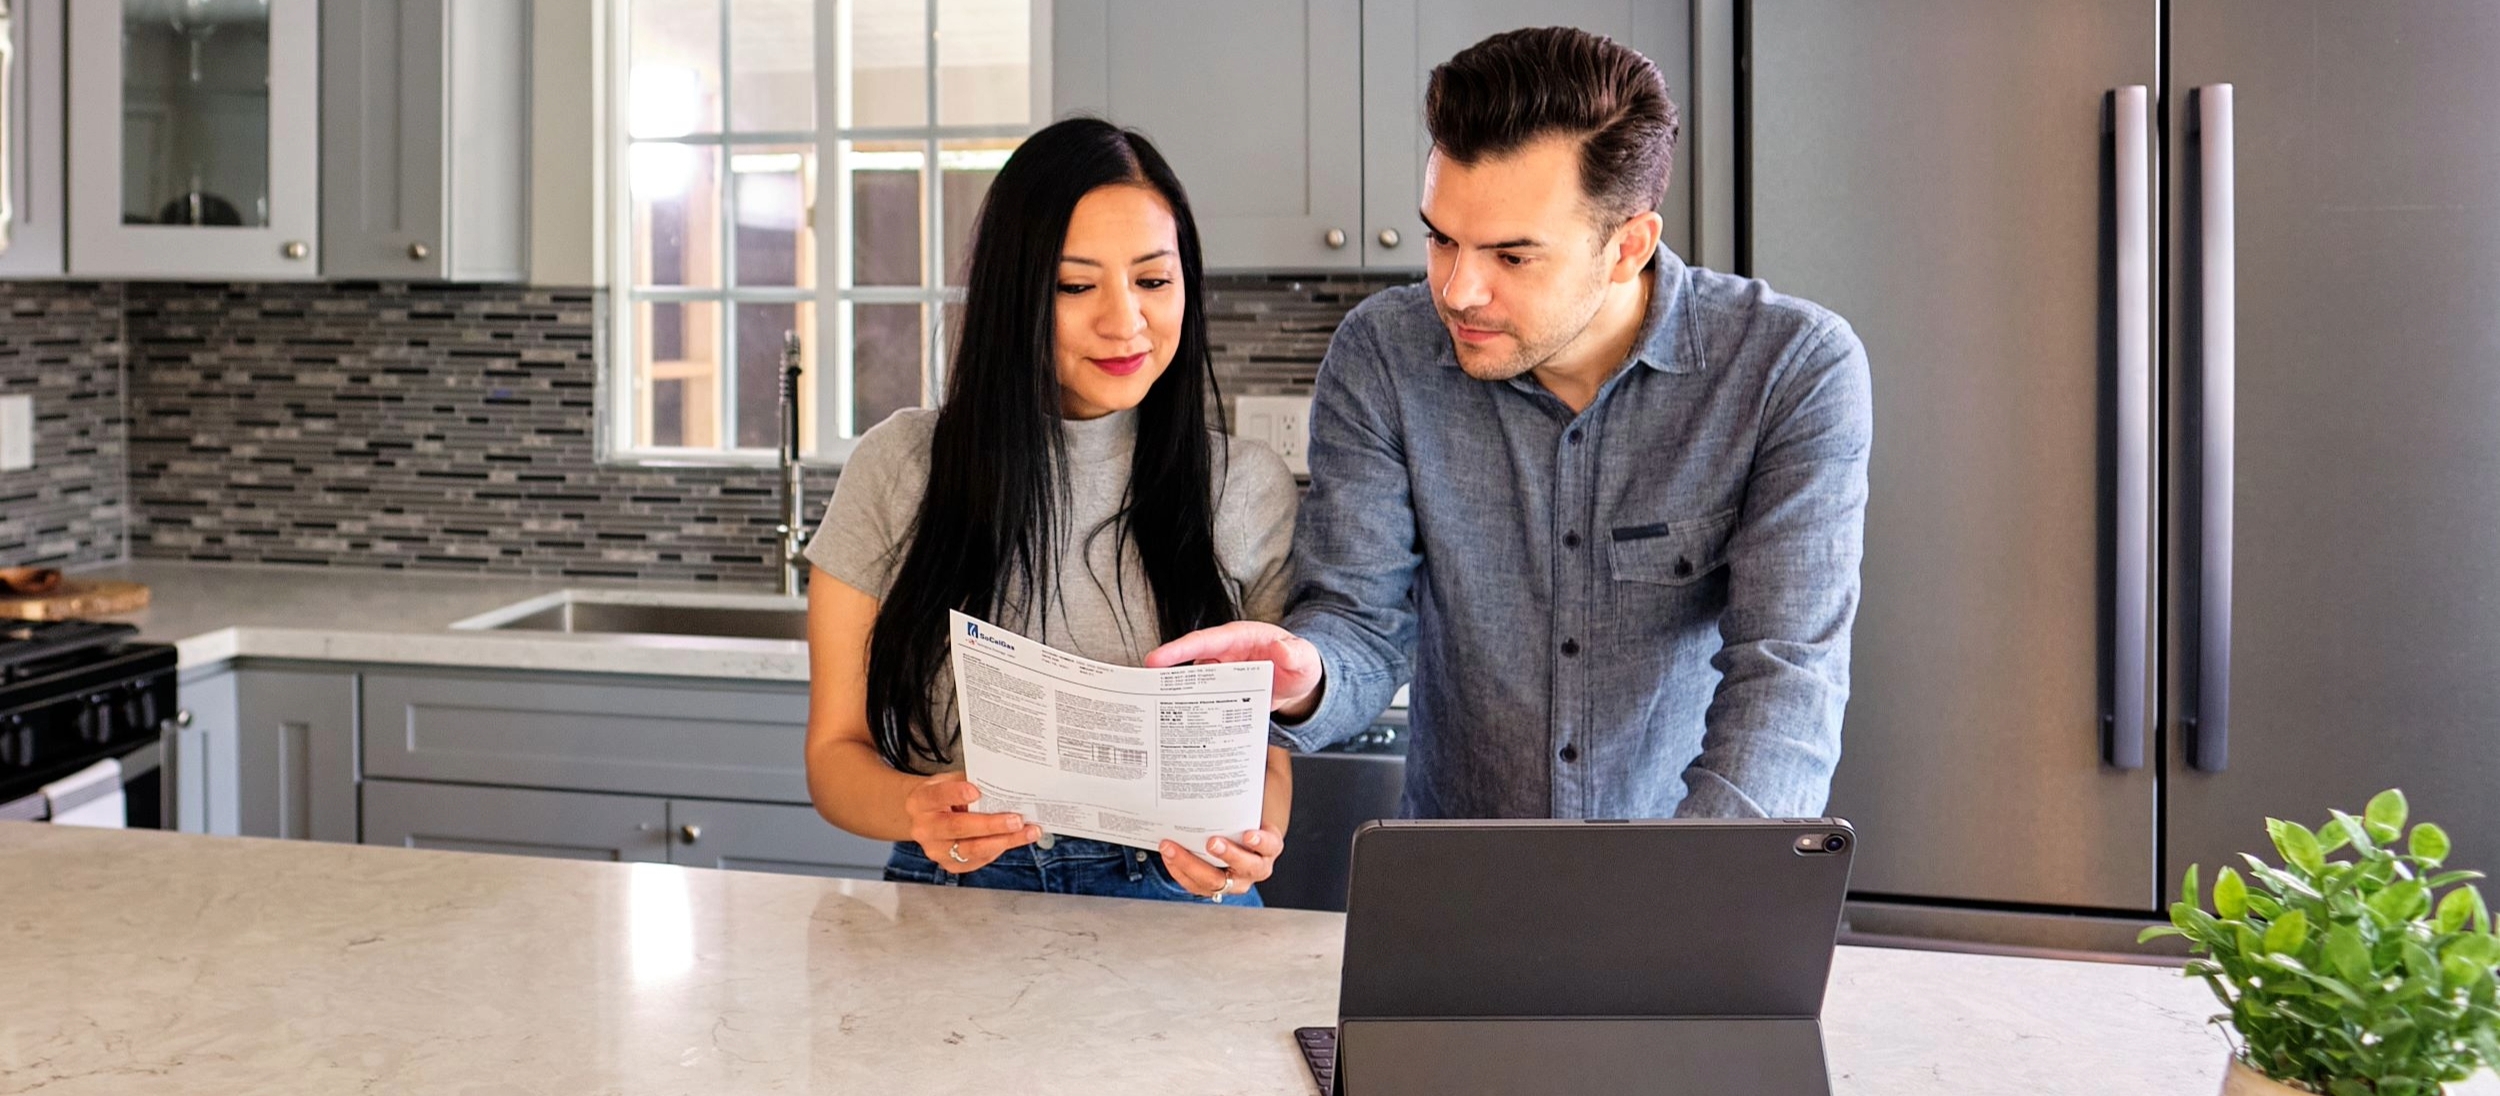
x: 586, y: 612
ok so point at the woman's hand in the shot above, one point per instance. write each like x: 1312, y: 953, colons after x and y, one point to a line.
x: 1298, y: 669
x: 1248, y: 862
x: 956, y: 839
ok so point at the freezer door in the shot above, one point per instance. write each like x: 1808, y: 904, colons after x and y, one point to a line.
x: 1944, y: 174
x: 2363, y: 555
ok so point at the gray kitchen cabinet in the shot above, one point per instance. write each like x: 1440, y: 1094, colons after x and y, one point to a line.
x: 727, y: 740
x: 523, y: 821
x: 295, y: 752
x: 1404, y: 39
x: 193, y: 139
x: 1258, y: 107
x: 768, y: 837
x: 424, y: 139
x: 202, y: 762
x: 32, y: 227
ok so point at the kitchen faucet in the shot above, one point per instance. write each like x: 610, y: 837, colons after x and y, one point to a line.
x: 793, y: 527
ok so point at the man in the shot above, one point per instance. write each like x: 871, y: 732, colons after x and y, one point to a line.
x: 1611, y: 504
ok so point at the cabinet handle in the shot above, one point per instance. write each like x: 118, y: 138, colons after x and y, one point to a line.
x: 1389, y: 237
x: 1335, y: 237
x: 419, y: 251
x: 295, y: 249
x: 690, y: 832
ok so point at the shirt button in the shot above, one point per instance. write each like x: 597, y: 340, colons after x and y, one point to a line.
x: 1570, y: 753
x: 1683, y: 567
x: 1571, y: 540
x: 1575, y: 435
x: 1571, y: 647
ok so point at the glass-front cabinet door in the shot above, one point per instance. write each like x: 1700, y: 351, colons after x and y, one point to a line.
x: 193, y: 138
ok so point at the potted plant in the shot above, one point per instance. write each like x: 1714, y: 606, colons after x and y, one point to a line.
x: 2363, y: 976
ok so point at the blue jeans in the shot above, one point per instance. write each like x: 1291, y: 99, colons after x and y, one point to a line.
x: 1072, y: 865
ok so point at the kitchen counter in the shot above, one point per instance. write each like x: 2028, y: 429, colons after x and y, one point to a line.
x: 162, y: 963
x: 215, y: 612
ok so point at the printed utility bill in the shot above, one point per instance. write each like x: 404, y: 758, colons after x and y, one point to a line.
x: 1122, y: 754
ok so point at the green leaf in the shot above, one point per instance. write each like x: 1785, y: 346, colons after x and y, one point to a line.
x: 2429, y: 843
x: 2288, y: 934
x: 2345, y: 828
x: 2156, y: 932
x: 2400, y: 903
x: 2187, y: 888
x: 2386, y: 813
x: 2297, y: 845
x: 2230, y: 894
x: 2347, y: 954
x: 2459, y: 971
x: 2455, y: 910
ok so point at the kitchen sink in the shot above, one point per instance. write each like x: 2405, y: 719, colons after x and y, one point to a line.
x: 591, y: 612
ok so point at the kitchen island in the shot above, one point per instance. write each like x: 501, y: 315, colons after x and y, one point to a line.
x: 169, y: 963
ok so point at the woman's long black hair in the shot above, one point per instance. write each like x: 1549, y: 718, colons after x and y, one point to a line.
x: 988, y: 536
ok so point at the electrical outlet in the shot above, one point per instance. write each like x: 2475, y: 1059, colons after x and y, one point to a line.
x: 17, y: 433
x: 1282, y: 423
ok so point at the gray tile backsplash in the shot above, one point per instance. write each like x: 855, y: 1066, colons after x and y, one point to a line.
x: 61, y: 343
x: 452, y: 427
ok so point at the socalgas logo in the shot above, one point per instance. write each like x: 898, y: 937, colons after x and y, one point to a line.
x: 972, y: 628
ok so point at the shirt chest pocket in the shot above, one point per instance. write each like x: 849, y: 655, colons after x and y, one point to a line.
x: 1671, y: 553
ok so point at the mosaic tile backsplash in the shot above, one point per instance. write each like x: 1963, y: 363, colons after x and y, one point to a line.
x: 61, y: 343
x: 452, y: 427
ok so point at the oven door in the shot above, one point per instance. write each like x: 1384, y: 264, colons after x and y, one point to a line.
x: 144, y: 791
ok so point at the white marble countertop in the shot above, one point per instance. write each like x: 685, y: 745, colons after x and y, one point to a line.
x: 143, y: 963
x: 215, y: 612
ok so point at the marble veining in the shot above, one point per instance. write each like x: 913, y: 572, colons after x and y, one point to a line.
x: 142, y: 963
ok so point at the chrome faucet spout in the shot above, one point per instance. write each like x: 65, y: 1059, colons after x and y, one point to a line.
x: 793, y: 527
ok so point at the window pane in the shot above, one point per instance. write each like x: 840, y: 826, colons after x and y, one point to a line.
x: 760, y: 330
x: 676, y: 214
x: 772, y: 66
x: 985, y: 67
x: 888, y: 348
x: 889, y: 48
x: 965, y: 169
x: 886, y: 212
x: 677, y: 373
x: 675, y: 82
x: 776, y: 187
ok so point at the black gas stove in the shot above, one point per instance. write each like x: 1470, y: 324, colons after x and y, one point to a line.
x: 73, y: 693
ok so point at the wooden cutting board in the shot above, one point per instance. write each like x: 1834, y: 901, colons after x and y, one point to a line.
x: 76, y: 598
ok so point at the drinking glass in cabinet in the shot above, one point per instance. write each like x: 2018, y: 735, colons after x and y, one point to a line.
x: 195, y: 112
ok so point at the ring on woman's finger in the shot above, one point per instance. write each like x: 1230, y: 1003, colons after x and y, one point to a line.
x: 955, y: 852
x: 1222, y: 888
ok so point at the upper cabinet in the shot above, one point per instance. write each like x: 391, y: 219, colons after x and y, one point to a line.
x: 1257, y: 106
x: 424, y: 139
x: 193, y: 139
x: 31, y: 221
x: 1298, y: 126
x: 1404, y: 39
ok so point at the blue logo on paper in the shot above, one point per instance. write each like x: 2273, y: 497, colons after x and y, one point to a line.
x: 973, y: 628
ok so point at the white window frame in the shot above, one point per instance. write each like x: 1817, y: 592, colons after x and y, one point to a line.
x: 831, y: 390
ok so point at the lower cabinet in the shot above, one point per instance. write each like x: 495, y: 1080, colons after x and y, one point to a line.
x: 594, y: 826
x: 267, y: 753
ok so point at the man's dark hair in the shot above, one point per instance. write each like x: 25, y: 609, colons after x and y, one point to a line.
x: 1521, y: 86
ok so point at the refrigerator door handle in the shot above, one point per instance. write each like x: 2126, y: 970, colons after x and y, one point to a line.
x: 8, y: 124
x: 2124, y: 735
x: 2209, y: 731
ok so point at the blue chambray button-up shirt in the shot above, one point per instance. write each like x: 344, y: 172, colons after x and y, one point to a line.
x: 1638, y: 611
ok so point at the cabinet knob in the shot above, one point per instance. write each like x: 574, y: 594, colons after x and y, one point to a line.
x: 182, y: 718
x: 295, y: 249
x: 1389, y: 237
x: 1335, y: 237
x: 690, y: 832
x: 419, y: 251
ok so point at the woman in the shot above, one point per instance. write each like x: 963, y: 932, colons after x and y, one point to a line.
x: 1070, y: 490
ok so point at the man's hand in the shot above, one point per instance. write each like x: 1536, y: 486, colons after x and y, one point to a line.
x: 1298, y: 670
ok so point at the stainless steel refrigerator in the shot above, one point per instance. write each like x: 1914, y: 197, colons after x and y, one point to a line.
x: 2184, y: 320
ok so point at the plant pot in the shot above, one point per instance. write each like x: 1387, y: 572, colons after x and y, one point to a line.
x: 2243, y: 1081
